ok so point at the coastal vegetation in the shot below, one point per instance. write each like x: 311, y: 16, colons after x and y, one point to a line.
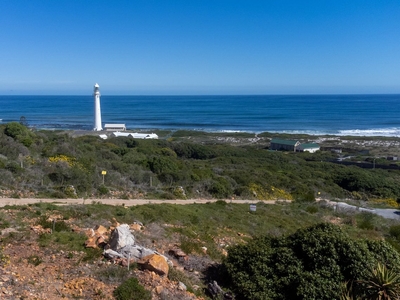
x: 56, y: 164
x: 301, y: 249
x: 318, y: 252
x: 313, y: 263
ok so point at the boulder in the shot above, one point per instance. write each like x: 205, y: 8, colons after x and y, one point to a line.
x: 132, y: 251
x: 155, y: 263
x: 121, y: 236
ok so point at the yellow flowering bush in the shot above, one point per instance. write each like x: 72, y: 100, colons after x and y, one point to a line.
x: 70, y: 161
x: 4, y: 259
x: 29, y: 160
x: 269, y: 193
x: 387, y: 201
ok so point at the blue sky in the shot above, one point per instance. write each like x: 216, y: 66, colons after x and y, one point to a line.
x: 199, y: 47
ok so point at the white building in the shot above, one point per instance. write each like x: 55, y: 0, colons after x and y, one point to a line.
x: 144, y: 135
x: 115, y: 127
x: 136, y: 135
x: 310, y: 147
x: 97, y: 110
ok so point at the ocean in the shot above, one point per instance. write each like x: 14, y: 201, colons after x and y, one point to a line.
x: 356, y: 115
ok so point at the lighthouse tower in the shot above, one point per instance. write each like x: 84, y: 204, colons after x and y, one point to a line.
x: 97, y: 111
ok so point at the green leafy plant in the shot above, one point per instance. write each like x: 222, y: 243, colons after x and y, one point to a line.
x: 312, y: 263
x: 34, y: 260
x: 131, y: 289
x: 383, y: 283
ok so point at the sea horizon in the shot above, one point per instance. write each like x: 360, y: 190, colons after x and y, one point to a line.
x: 313, y: 114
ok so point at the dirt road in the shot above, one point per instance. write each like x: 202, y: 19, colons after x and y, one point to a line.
x: 24, y: 201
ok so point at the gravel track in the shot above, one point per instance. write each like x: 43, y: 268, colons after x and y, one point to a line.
x: 24, y: 201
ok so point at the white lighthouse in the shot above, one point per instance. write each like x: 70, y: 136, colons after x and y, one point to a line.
x: 97, y: 110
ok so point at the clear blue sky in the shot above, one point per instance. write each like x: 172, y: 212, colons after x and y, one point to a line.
x: 199, y: 47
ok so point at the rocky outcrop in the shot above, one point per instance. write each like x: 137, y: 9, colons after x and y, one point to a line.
x: 123, y: 250
x: 121, y: 237
x: 96, y: 237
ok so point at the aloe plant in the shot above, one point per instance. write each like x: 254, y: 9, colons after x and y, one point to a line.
x: 384, y: 284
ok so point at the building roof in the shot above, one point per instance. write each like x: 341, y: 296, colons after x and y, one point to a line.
x: 114, y: 125
x: 118, y: 133
x: 284, y: 142
x: 309, y: 146
x: 144, y: 135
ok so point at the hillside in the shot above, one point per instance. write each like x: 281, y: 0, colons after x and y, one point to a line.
x: 54, y: 251
x: 43, y: 254
x: 185, y: 165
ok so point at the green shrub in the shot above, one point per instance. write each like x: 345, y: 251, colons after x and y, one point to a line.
x: 312, y: 209
x: 190, y: 246
x: 394, y: 231
x: 309, y: 264
x: 113, y: 274
x: 57, y: 225
x: 221, y: 188
x: 131, y: 289
x: 34, y: 260
x: 19, y: 132
x: 103, y: 190
x: 366, y: 221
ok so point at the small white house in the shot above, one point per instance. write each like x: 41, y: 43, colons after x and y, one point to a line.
x: 136, y: 135
x: 310, y: 147
x: 144, y: 135
x: 118, y: 133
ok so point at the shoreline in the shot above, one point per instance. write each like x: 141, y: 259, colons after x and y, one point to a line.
x: 352, y: 133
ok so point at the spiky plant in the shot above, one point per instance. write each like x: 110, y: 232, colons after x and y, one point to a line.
x: 384, y: 284
x: 347, y: 292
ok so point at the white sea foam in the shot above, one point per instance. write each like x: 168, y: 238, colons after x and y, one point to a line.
x: 232, y: 131
x: 389, y: 132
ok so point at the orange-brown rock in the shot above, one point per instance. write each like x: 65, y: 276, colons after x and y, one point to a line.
x: 40, y: 230
x: 159, y: 289
x: 156, y: 263
x: 91, y: 242
x: 115, y: 223
x: 89, y: 232
x: 100, y: 229
x: 96, y: 237
x: 136, y: 227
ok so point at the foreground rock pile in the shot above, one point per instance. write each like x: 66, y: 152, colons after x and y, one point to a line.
x: 28, y: 271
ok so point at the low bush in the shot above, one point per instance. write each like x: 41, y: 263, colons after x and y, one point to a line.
x: 312, y: 263
x: 113, y: 274
x: 34, y: 260
x: 131, y: 289
x: 56, y: 225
